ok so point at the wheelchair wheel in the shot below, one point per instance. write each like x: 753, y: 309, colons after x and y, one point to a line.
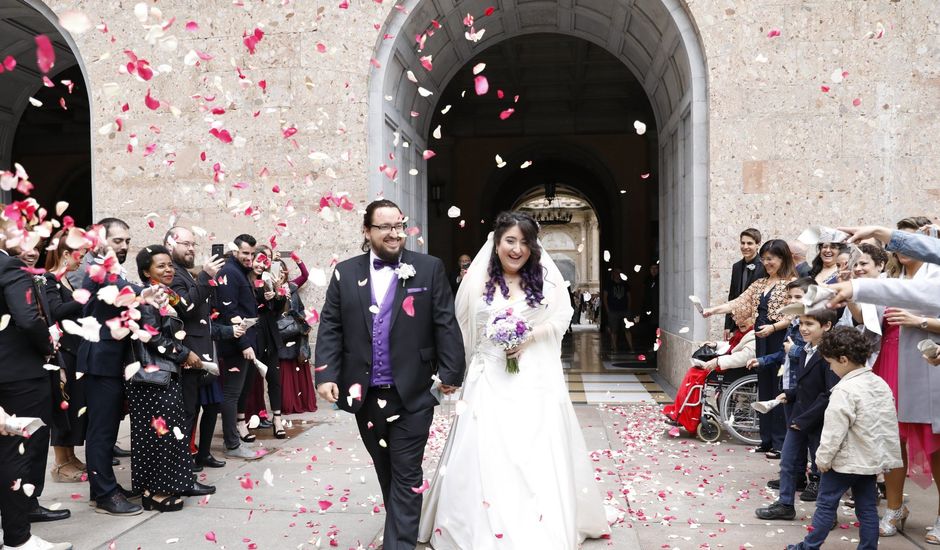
x: 737, y: 416
x: 709, y: 430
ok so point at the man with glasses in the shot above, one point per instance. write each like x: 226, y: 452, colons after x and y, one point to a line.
x: 195, y: 311
x: 387, y: 327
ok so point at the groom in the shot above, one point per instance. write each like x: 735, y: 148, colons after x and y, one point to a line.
x: 386, y: 327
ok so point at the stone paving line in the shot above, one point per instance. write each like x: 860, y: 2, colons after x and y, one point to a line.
x: 317, y: 490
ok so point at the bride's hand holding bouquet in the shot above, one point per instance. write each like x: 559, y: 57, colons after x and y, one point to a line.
x: 511, y: 333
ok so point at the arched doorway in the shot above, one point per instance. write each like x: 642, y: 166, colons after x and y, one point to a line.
x: 45, y: 125
x: 654, y: 40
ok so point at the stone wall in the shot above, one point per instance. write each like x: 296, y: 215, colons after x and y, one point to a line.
x: 793, y: 141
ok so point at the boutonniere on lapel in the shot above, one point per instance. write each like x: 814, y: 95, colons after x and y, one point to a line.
x: 751, y: 267
x: 405, y: 272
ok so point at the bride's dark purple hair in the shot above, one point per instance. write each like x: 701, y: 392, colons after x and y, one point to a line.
x: 531, y: 273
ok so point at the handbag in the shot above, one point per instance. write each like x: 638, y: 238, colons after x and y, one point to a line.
x: 159, y: 376
x: 291, y: 325
x: 705, y: 354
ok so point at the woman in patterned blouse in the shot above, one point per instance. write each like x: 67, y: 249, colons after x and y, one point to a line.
x: 762, y: 302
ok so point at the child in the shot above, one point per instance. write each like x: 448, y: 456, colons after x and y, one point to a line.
x: 786, y: 361
x: 859, y: 439
x: 814, y: 380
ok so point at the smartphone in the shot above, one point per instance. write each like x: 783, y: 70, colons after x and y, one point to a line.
x: 218, y: 250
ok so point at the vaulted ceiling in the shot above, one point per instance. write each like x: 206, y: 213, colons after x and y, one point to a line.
x: 565, y: 85
x: 640, y: 34
x: 20, y: 23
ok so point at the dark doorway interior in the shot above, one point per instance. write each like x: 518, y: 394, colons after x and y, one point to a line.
x: 52, y: 141
x: 54, y: 145
x: 572, y: 126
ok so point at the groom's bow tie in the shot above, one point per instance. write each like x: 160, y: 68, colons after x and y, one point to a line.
x: 379, y: 264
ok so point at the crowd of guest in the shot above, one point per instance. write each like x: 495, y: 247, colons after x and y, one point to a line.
x: 169, y: 344
x: 857, y: 391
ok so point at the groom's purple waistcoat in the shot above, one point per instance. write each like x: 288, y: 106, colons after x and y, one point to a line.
x: 381, y: 343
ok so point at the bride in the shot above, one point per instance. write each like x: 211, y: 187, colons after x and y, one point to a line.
x: 514, y: 472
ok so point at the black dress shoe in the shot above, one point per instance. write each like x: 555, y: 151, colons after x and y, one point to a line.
x: 811, y: 492
x: 117, y: 505
x: 775, y: 484
x: 777, y: 510
x: 40, y: 514
x: 199, y: 489
x: 773, y: 455
x: 197, y: 468
x: 209, y: 461
x: 763, y: 449
x: 119, y: 452
x: 115, y: 461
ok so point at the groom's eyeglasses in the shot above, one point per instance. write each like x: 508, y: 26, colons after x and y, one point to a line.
x: 387, y: 228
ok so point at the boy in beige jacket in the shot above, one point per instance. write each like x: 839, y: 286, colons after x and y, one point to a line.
x: 859, y: 439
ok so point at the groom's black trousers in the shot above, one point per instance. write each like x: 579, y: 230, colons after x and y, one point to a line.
x: 397, y: 461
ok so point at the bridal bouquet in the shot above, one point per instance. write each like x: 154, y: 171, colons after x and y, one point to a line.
x: 508, y: 331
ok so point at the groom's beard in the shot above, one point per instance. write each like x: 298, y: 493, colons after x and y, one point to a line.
x: 388, y: 255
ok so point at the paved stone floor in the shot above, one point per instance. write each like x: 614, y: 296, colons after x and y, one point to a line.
x: 317, y: 490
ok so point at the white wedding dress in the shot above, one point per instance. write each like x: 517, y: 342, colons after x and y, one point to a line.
x: 514, y: 473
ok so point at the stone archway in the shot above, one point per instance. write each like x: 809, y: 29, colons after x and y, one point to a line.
x: 655, y: 39
x: 51, y: 140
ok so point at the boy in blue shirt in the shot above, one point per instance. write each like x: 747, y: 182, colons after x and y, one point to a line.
x: 787, y: 360
x: 814, y: 381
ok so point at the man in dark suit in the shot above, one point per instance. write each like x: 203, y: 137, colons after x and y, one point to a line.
x: 103, y: 363
x: 196, y: 313
x: 744, y: 272
x: 237, y: 304
x: 386, y: 328
x: 25, y: 390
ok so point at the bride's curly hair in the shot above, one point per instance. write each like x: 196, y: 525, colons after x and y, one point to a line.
x: 531, y: 273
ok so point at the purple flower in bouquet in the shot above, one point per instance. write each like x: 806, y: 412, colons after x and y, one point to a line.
x: 508, y: 331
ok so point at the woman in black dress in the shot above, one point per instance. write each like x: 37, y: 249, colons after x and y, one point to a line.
x: 271, y: 302
x: 161, y: 464
x: 62, y: 306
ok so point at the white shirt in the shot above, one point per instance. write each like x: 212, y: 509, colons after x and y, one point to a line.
x: 381, y: 279
x: 810, y: 351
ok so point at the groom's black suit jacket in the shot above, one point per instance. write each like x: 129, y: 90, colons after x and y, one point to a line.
x: 428, y: 342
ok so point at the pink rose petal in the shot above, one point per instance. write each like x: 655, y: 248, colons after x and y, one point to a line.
x: 773, y: 33
x: 409, y: 306
x: 45, y: 53
x: 424, y: 487
x: 481, y: 84
x: 151, y: 103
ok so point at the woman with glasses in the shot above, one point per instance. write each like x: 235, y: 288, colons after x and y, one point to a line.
x: 762, y: 302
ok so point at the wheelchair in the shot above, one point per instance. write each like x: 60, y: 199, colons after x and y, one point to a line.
x: 721, y: 402
x: 728, y: 397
